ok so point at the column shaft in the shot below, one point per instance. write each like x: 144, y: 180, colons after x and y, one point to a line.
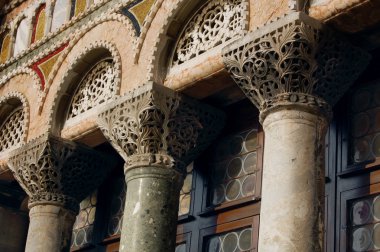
x: 293, y: 183
x: 49, y: 229
x: 151, y: 210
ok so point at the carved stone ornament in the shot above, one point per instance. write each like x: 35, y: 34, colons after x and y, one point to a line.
x: 155, y: 126
x: 56, y: 171
x: 294, y: 61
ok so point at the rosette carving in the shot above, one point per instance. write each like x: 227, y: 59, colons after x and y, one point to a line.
x: 155, y: 126
x: 294, y: 61
x: 56, y: 171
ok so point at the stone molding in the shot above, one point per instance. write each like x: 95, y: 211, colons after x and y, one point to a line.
x: 54, y: 171
x: 155, y: 126
x: 294, y: 61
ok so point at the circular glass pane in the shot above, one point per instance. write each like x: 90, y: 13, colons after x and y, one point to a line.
x: 113, y: 226
x: 80, y: 237
x: 362, y: 100
x: 233, y: 189
x: 214, y: 244
x: 91, y: 215
x: 234, y: 167
x: 362, y: 150
x: 250, y: 163
x: 360, y: 125
x: 245, y: 239
x: 187, y: 184
x: 376, y: 208
x: 248, y: 186
x: 219, y: 195
x: 185, y: 204
x: 236, y: 144
x: 376, y: 236
x: 376, y: 145
x: 93, y: 199
x: 361, y: 212
x: 251, y: 141
x: 230, y: 242
x: 361, y: 239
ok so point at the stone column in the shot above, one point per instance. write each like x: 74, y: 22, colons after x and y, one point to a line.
x: 293, y: 70
x: 158, y: 133
x: 57, y: 175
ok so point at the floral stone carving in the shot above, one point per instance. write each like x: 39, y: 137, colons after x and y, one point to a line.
x: 155, y: 126
x: 59, y: 172
x: 294, y: 61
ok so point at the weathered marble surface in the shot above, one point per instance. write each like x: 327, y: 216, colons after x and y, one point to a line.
x: 293, y: 183
x: 151, y: 201
x: 49, y: 229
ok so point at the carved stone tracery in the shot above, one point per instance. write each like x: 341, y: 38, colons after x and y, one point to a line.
x: 12, y: 130
x: 58, y: 172
x: 98, y: 86
x: 157, y: 127
x: 294, y: 61
x: 215, y: 23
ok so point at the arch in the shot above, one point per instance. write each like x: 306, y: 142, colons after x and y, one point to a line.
x: 22, y: 36
x: 163, y: 38
x: 39, y: 23
x: 5, y: 46
x: 14, y: 109
x: 96, y: 52
x: 61, y: 14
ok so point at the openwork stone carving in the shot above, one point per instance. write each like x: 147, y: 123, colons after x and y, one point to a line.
x: 98, y: 86
x: 59, y: 172
x: 12, y: 130
x: 294, y: 61
x: 155, y: 126
x: 215, y: 23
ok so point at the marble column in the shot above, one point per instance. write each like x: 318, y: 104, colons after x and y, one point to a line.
x: 57, y: 175
x: 293, y: 70
x: 158, y: 133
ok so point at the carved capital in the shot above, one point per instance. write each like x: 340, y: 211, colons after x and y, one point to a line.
x: 155, y: 126
x: 58, y: 172
x: 294, y: 61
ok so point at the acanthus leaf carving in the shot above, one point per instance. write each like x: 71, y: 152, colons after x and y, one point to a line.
x: 55, y: 171
x: 156, y: 126
x: 294, y: 61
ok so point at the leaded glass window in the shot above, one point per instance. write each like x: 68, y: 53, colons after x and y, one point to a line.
x: 233, y: 241
x: 84, y: 223
x: 97, y: 86
x: 234, y: 168
x: 61, y: 14
x: 5, y: 48
x: 365, y: 124
x: 22, y: 37
x: 364, y: 229
x: 117, y: 207
x: 12, y: 130
x: 213, y: 24
x: 185, y: 194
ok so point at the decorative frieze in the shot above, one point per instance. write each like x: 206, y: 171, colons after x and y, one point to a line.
x: 294, y: 61
x: 57, y: 172
x: 156, y: 126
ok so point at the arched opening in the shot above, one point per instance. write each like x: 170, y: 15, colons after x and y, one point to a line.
x: 39, y: 24
x: 5, y: 46
x: 22, y: 37
x: 12, y: 121
x: 91, y: 81
x: 61, y: 14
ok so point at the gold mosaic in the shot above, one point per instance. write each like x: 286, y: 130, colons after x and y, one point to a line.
x: 141, y: 10
x: 5, y: 48
x: 40, y: 27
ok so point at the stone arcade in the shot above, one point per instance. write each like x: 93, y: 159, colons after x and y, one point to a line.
x: 178, y: 125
